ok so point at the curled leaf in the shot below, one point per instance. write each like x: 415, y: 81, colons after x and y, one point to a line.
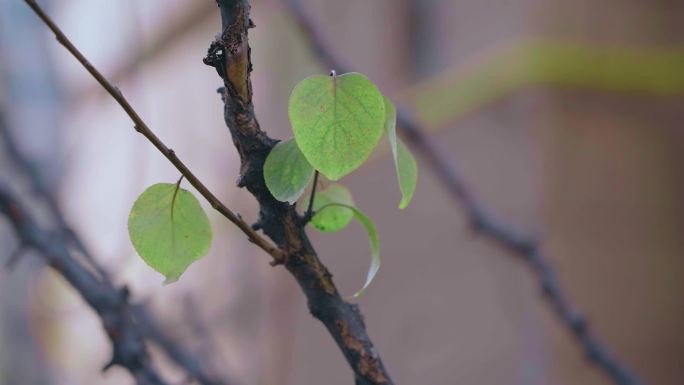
x: 373, y: 238
x: 404, y: 163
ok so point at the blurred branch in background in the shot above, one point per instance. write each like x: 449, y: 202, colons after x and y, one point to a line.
x: 513, y: 239
x: 450, y: 95
x: 126, y: 324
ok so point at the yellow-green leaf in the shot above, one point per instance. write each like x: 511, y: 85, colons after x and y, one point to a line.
x: 404, y: 163
x: 287, y: 172
x: 373, y: 238
x: 169, y: 229
x: 333, y: 218
x: 337, y: 121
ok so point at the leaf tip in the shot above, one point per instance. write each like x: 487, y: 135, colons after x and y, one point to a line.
x: 170, y: 279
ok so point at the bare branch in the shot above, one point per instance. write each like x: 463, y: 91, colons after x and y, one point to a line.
x: 515, y: 241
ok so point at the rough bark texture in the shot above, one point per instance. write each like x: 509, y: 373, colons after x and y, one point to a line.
x: 230, y: 55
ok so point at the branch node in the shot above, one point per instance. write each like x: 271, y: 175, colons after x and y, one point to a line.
x: 216, y: 57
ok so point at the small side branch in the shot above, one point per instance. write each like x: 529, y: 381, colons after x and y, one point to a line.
x: 516, y: 242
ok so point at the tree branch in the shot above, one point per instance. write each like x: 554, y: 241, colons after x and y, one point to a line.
x: 143, y: 318
x: 142, y: 128
x: 230, y: 55
x: 515, y: 241
x: 110, y: 304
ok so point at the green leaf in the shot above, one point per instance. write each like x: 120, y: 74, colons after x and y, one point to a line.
x: 169, y: 229
x: 373, y: 238
x: 333, y: 218
x: 287, y: 172
x: 337, y: 121
x: 404, y: 163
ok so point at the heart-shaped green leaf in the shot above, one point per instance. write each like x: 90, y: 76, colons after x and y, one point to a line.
x: 404, y: 163
x: 169, y: 229
x: 287, y: 172
x: 337, y: 121
x: 333, y: 218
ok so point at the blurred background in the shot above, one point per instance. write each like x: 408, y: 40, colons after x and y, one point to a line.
x: 564, y: 116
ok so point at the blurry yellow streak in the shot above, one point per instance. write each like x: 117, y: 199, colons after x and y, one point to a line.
x: 448, y: 96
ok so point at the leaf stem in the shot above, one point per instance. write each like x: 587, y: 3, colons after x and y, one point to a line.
x: 309, y: 210
x: 175, y: 194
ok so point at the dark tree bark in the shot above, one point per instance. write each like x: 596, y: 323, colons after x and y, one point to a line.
x: 230, y: 55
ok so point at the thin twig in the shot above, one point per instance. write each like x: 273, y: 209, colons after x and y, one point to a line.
x: 142, y: 128
x: 514, y: 240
